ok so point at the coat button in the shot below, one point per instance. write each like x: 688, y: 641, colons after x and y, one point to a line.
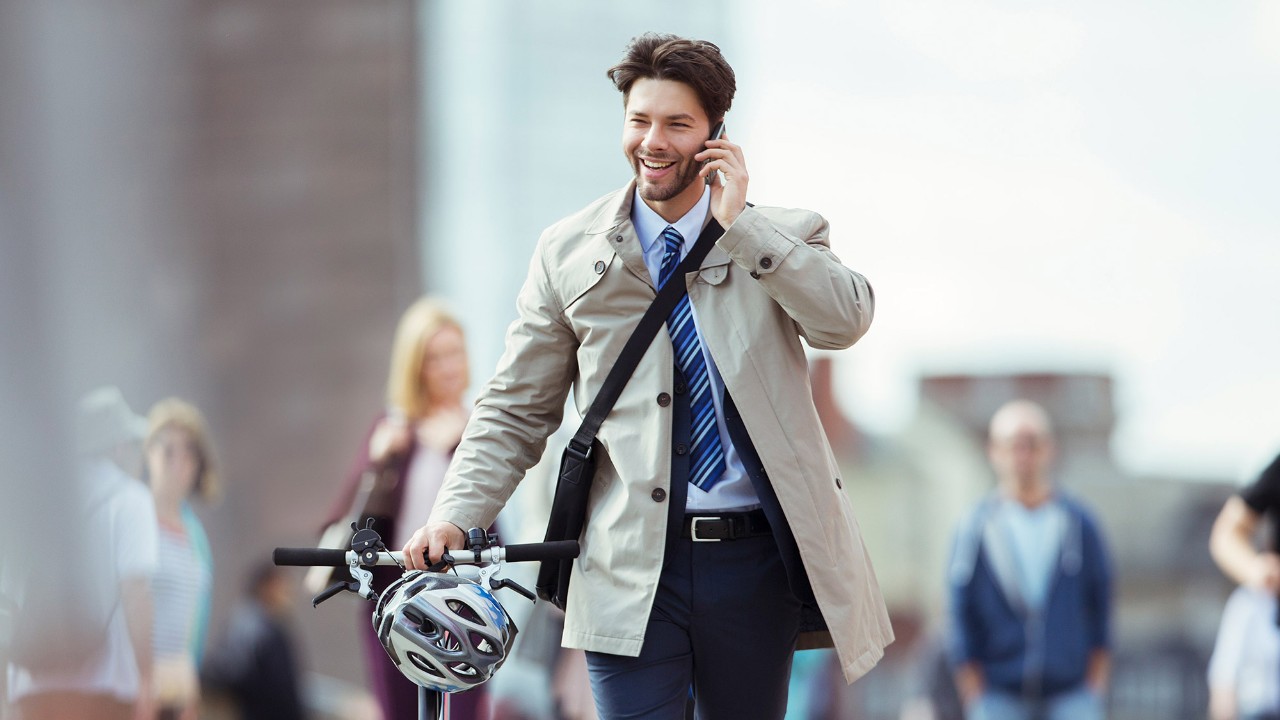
x: 664, y: 399
x: 766, y: 262
x: 658, y: 495
x: 617, y: 238
x: 681, y: 388
x: 838, y: 484
x: 755, y: 275
x: 681, y: 449
x: 599, y: 267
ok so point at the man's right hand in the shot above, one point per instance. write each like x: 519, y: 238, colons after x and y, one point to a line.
x: 430, y: 542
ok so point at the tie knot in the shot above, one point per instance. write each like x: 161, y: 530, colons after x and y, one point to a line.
x: 671, y: 257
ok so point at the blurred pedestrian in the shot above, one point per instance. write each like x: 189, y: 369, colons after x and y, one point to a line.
x: 180, y: 467
x: 400, y: 467
x: 81, y: 640
x: 255, y: 664
x: 716, y: 499
x: 1030, y: 587
x: 1250, y: 688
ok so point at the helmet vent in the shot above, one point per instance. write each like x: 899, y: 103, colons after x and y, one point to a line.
x: 482, y: 644
x: 464, y: 670
x: 414, y: 589
x: 448, y: 642
x: 422, y: 664
x: 422, y: 623
x: 465, y: 611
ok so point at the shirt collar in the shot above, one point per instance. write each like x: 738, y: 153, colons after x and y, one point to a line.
x: 649, y: 224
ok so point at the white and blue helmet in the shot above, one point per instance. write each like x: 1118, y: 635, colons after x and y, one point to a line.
x: 444, y: 632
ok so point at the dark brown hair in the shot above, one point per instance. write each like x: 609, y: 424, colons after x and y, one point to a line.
x: 696, y: 63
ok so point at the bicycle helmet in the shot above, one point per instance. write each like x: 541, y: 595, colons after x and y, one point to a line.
x: 444, y: 632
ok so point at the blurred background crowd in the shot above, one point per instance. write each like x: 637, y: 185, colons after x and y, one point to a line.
x: 237, y: 203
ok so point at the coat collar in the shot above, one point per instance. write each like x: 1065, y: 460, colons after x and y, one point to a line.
x: 614, y: 220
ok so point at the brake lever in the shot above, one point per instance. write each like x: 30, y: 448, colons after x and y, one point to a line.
x: 500, y: 583
x: 332, y: 590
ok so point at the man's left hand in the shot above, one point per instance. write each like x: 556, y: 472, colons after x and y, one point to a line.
x: 729, y: 185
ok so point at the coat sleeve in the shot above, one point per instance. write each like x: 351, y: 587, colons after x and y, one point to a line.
x: 789, y: 254
x: 517, y: 410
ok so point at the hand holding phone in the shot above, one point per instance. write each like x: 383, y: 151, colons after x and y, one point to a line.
x: 729, y: 195
x: 716, y: 133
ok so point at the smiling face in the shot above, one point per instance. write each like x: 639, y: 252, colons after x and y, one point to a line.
x: 665, y: 127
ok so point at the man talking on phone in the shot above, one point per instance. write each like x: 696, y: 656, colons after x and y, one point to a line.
x: 718, y: 539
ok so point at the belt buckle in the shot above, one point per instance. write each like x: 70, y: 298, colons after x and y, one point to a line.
x: 693, y: 529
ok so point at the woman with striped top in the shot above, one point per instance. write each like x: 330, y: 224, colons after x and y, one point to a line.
x: 180, y: 467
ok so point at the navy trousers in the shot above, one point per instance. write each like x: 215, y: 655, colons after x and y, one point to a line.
x: 724, y: 622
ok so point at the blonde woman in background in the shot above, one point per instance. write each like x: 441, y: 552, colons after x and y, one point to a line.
x: 180, y: 468
x: 399, y: 469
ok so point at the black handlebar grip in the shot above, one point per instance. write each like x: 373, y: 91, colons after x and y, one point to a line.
x: 309, y: 557
x: 543, y: 551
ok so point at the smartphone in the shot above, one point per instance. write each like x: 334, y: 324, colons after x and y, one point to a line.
x: 716, y: 133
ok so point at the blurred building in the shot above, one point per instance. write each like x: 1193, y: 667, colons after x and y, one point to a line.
x: 216, y: 199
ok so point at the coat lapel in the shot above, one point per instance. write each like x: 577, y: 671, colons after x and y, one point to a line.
x: 614, y: 221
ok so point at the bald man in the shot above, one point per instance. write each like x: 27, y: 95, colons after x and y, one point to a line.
x: 1030, y: 587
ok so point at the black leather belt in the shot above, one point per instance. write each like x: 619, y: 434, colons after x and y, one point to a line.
x: 725, y: 526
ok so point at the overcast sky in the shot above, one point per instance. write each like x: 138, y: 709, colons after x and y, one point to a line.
x: 1092, y: 186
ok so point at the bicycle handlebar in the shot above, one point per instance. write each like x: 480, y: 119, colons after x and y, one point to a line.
x: 542, y: 551
x: 307, y: 557
x: 527, y: 552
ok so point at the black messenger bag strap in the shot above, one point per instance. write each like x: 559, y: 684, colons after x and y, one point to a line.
x: 654, y: 318
x: 577, y: 464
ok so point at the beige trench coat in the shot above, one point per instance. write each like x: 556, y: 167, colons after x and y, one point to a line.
x: 771, y: 281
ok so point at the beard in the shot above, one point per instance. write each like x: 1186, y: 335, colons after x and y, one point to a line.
x: 686, y: 173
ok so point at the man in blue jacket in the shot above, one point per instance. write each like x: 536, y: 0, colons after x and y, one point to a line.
x: 1030, y: 587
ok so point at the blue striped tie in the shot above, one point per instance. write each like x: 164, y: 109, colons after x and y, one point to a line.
x: 707, y: 458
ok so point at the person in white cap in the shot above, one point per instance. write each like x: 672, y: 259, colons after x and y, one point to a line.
x: 81, y: 645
